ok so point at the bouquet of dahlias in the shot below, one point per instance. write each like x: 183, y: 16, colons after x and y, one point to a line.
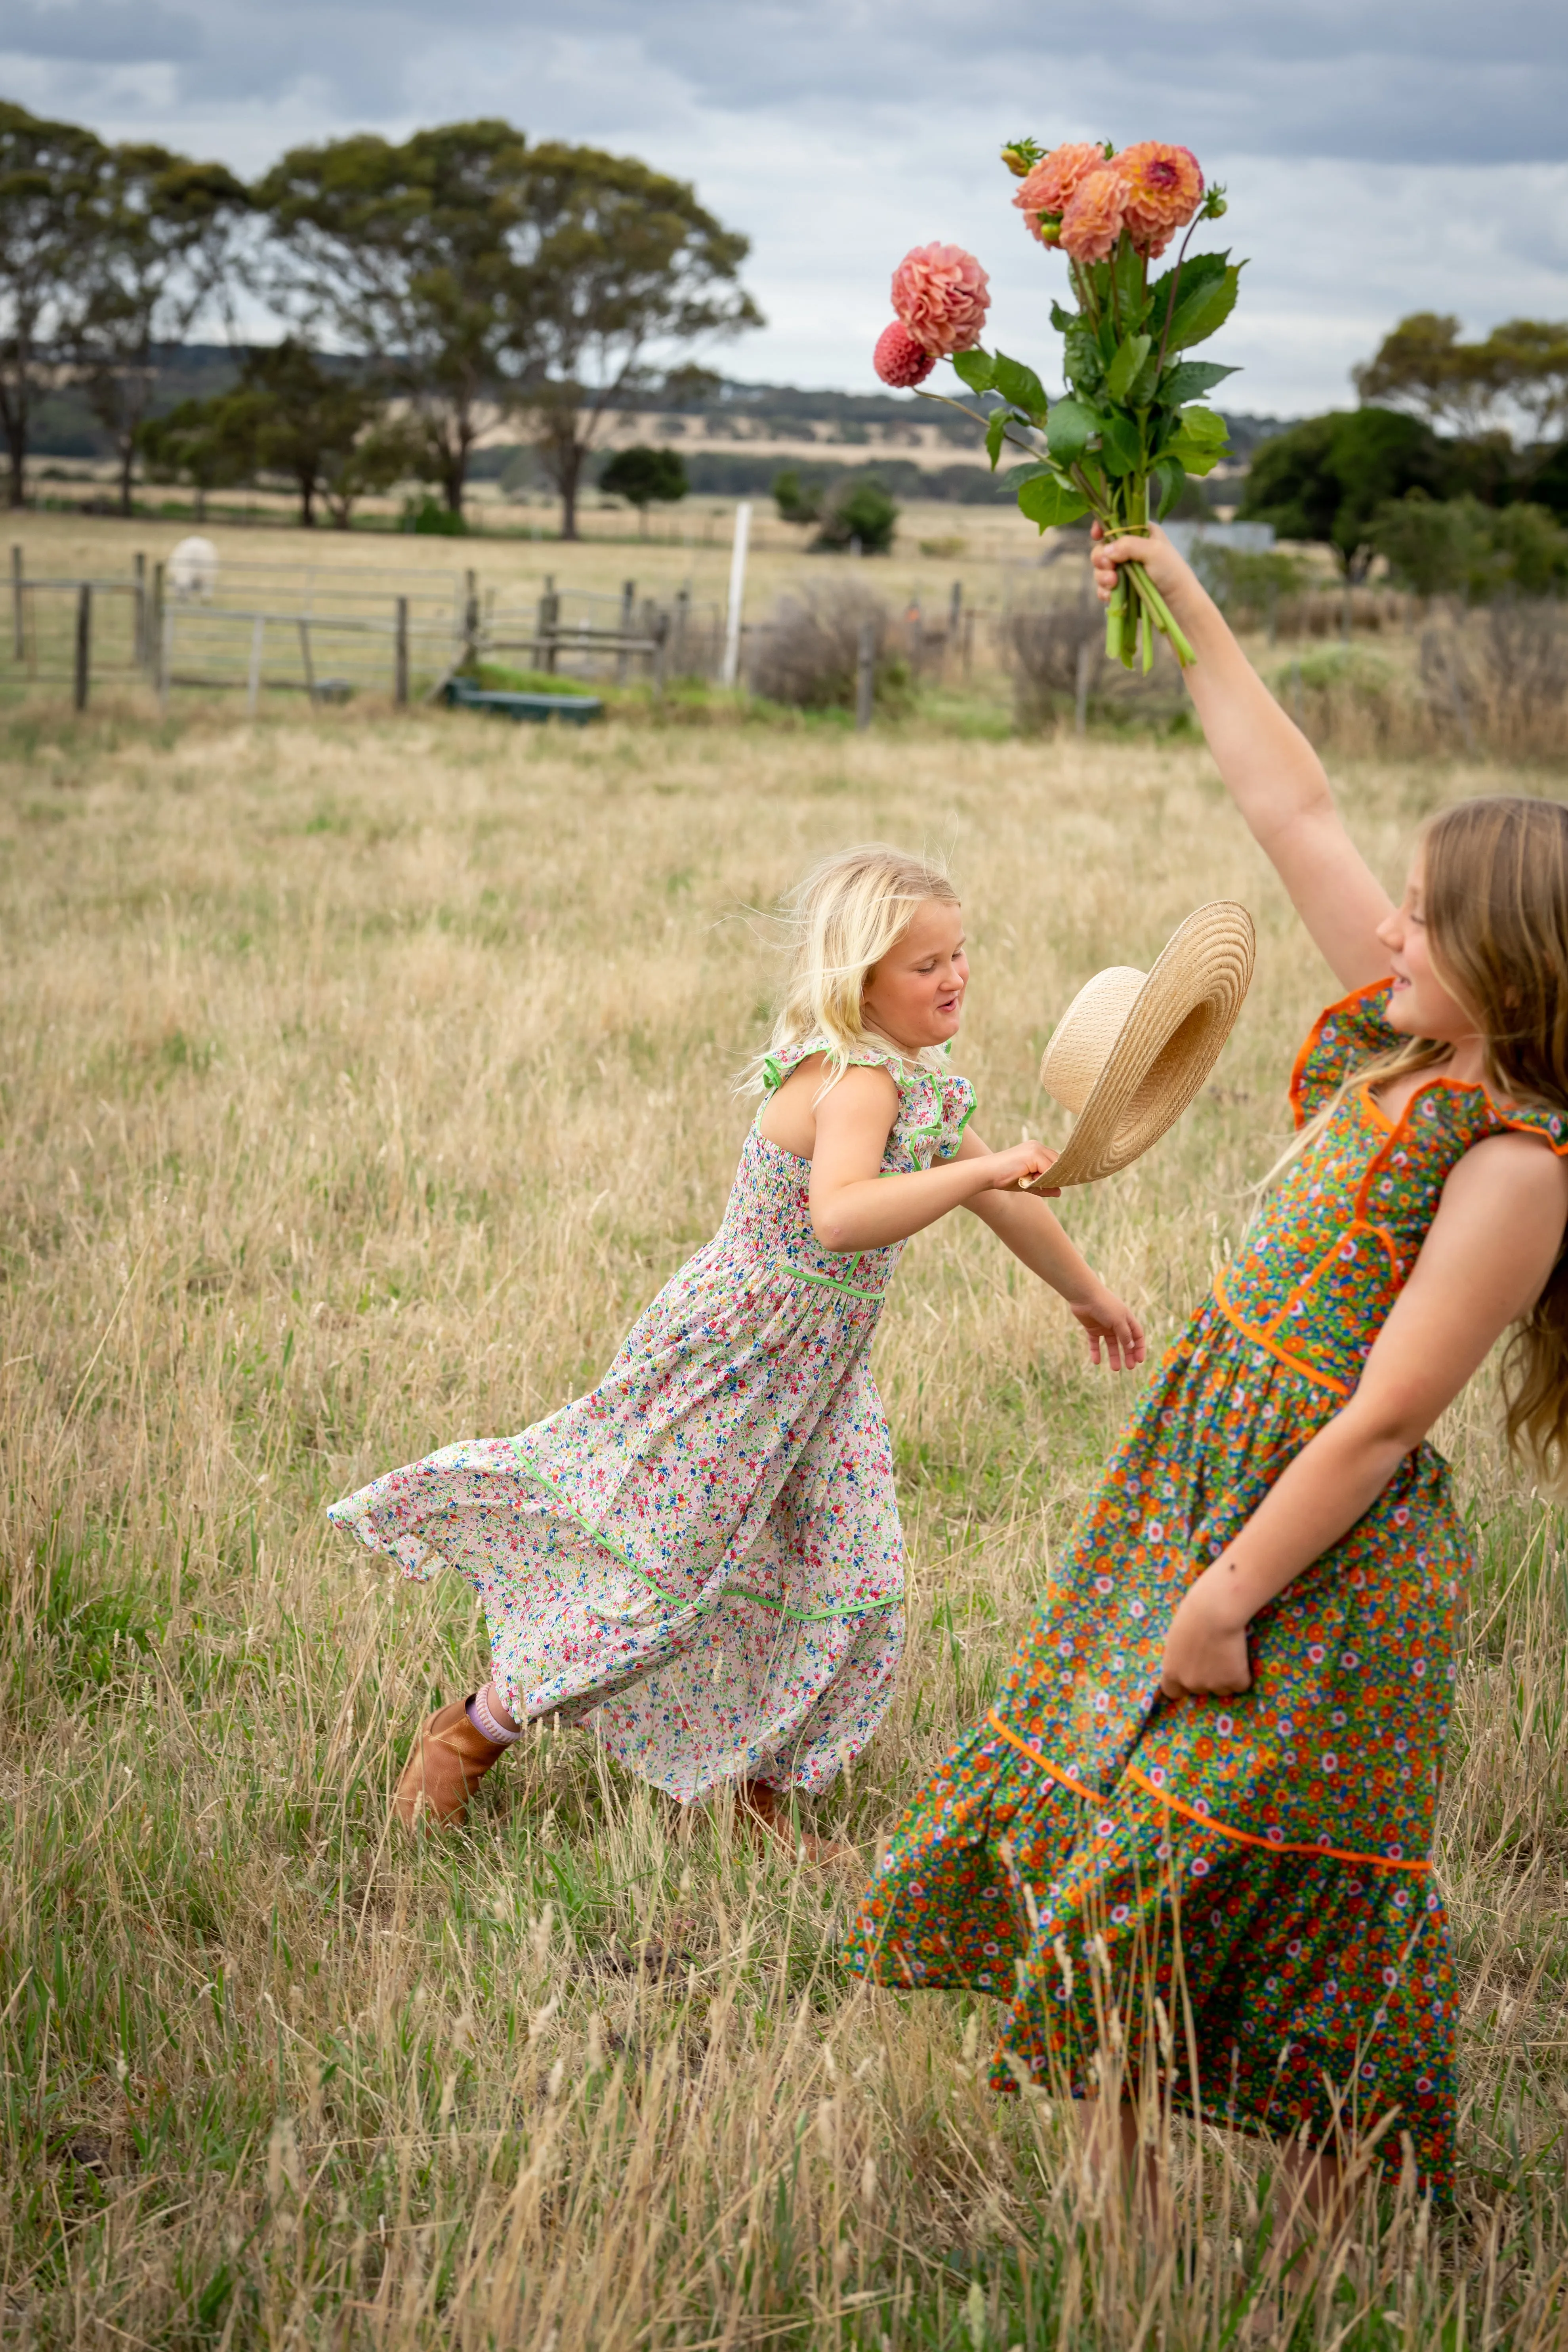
x: 1131, y: 428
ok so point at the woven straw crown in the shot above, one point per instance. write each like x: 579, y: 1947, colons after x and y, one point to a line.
x: 1131, y: 1050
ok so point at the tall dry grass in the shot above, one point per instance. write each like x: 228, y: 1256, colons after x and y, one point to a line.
x: 360, y: 1081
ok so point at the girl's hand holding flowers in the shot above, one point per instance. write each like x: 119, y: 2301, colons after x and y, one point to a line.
x: 1132, y: 427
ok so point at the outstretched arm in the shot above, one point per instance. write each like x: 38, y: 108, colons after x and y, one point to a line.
x: 1486, y: 1258
x: 1024, y: 1222
x: 1270, y: 769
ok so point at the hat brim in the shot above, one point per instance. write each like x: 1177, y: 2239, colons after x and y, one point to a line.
x: 1172, y: 1039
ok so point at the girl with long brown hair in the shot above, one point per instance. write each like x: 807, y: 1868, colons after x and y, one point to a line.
x: 1190, y: 1846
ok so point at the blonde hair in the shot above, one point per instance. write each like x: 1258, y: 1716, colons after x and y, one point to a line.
x: 849, y: 911
x: 1494, y: 887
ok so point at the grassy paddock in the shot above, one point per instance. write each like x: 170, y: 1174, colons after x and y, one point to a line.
x: 361, y: 1079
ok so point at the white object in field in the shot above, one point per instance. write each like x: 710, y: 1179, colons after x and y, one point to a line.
x: 737, y: 593
x: 193, y: 568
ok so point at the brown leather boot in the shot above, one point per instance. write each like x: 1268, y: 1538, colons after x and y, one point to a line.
x: 450, y: 1758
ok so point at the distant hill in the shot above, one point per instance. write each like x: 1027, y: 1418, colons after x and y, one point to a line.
x: 825, y: 427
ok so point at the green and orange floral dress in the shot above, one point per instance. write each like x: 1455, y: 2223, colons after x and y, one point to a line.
x: 1259, y: 1863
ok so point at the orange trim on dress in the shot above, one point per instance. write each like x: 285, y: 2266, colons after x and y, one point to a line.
x: 1174, y: 1805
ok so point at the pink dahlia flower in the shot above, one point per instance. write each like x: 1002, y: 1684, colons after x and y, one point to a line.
x: 1056, y: 179
x: 1094, y: 217
x: 942, y: 295
x: 1165, y: 187
x: 898, y: 360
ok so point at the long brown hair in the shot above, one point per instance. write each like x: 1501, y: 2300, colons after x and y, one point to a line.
x: 1495, y: 901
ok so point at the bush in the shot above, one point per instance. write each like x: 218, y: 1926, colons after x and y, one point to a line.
x: 1045, y: 644
x: 798, y: 501
x: 642, y: 476
x: 808, y: 655
x: 859, y: 511
x: 1457, y: 547
x: 431, y: 520
x: 1247, y: 587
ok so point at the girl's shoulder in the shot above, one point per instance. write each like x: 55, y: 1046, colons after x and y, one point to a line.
x: 935, y: 1103
x: 1342, y: 1037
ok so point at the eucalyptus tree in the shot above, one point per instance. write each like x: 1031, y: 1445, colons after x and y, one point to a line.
x: 618, y: 270
x: 399, y: 254
x: 160, y: 235
x: 50, y: 174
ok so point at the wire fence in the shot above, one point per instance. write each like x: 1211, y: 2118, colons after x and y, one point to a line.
x: 331, y: 631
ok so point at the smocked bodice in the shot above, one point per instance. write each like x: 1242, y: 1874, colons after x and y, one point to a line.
x: 769, y: 1211
x: 1335, y: 1241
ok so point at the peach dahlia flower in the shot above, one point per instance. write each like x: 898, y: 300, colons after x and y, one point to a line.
x: 1093, y: 219
x: 942, y: 295
x: 1165, y: 187
x: 1056, y: 179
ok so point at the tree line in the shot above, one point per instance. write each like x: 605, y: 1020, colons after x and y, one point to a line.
x: 1455, y: 468
x: 420, y: 285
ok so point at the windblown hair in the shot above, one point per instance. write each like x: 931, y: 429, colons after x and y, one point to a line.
x: 1495, y: 901
x: 843, y: 917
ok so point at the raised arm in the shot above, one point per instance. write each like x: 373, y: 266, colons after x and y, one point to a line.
x: 1270, y: 769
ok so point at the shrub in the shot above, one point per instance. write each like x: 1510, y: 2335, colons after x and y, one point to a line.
x: 808, y: 655
x: 1457, y: 547
x: 642, y: 476
x: 798, y: 501
x: 431, y: 520
x: 1044, y: 645
x: 859, y: 511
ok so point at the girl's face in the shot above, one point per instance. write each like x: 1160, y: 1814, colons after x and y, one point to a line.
x: 914, y: 997
x: 1421, y: 1005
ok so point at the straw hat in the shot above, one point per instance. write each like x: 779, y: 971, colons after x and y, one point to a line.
x: 1132, y: 1048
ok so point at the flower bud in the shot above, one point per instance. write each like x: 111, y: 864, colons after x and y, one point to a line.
x: 1021, y: 155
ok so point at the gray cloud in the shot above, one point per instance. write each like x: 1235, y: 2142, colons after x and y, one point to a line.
x: 1410, y: 156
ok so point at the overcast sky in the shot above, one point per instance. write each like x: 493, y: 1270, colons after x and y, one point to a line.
x: 1380, y: 160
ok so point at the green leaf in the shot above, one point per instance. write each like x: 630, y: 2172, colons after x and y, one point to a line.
x: 993, y: 433
x: 1191, y: 380
x: 1021, y: 385
x: 1166, y: 481
x: 1067, y: 430
x: 974, y: 367
x: 1127, y: 270
x: 1200, y: 314
x: 1196, y: 456
x: 1121, y: 448
x: 1127, y: 365
x: 1196, y: 270
x: 1203, y: 424
x: 1081, y: 354
x: 1145, y: 383
x: 1047, y: 502
x: 1063, y: 320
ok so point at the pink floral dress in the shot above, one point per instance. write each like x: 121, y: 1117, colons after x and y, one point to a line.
x: 703, y: 1556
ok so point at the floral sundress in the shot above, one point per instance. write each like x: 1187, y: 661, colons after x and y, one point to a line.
x: 703, y: 1556
x: 1280, y: 1839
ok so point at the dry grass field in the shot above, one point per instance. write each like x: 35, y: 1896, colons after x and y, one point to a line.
x: 361, y: 1079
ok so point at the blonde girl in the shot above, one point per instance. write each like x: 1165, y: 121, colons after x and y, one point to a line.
x: 1207, y: 1793
x: 703, y: 1557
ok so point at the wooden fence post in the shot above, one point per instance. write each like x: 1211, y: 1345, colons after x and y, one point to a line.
x: 253, y: 682
x: 628, y: 611
x: 549, y: 617
x: 400, y: 656
x: 18, y: 632
x: 83, y: 646
x: 866, y: 675
x: 139, y: 611
x: 305, y: 657
x: 470, y: 616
